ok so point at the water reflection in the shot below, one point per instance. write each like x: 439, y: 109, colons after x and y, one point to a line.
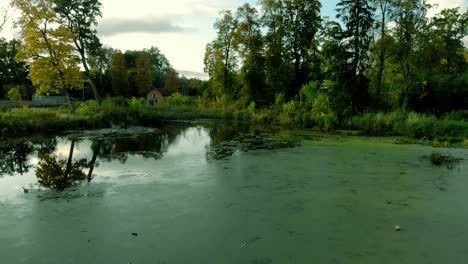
x: 14, y: 154
x: 58, y: 165
x: 57, y: 173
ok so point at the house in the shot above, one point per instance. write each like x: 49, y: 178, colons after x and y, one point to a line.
x: 156, y: 96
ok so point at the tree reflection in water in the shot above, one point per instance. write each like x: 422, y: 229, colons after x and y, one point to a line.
x: 14, y: 154
x: 58, y: 174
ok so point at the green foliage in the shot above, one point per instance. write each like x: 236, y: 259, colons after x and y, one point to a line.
x: 119, y: 75
x: 14, y: 94
x: 178, y: 99
x: 248, y: 42
x: 14, y: 73
x: 406, y: 124
x: 47, y: 48
x: 80, y: 18
x: 291, y: 41
x: 144, y: 76
x: 89, y: 108
x: 357, y: 15
x: 310, y: 92
x: 457, y: 115
x: 159, y: 66
x: 322, y: 114
x: 172, y: 83
x: 138, y: 103
x: 220, y: 60
x: 251, y: 109
x: 289, y: 111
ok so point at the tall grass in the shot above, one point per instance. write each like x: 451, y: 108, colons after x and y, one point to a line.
x: 411, y: 124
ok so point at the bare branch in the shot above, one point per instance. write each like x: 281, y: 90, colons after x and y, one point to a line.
x: 4, y: 16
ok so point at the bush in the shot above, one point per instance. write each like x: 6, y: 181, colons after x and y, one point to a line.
x: 263, y: 116
x: 323, y: 115
x: 3, y: 108
x: 178, y: 99
x: 326, y: 121
x: 456, y: 115
x: 287, y: 115
x: 419, y: 125
x: 310, y: 92
x: 14, y: 94
x: 88, y: 108
x: 138, y: 103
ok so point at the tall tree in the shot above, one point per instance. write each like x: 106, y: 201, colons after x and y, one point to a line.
x: 249, y: 42
x: 411, y: 23
x: 385, y: 8
x: 291, y: 38
x: 144, y: 75
x: 47, y: 48
x: 12, y: 72
x: 100, y: 67
x: 172, y: 83
x: 450, y: 27
x: 220, y: 60
x: 302, y: 21
x: 119, y: 75
x: 160, y: 66
x: 357, y: 16
x: 80, y: 17
x: 278, y: 70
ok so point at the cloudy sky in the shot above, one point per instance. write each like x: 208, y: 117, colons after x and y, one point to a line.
x: 180, y: 28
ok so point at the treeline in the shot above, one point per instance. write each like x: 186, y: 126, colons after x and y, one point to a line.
x: 136, y: 73
x: 58, y: 52
x: 13, y: 74
x: 378, y: 55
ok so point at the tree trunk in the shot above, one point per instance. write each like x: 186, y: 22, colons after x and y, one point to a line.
x: 88, y: 75
x: 382, y: 52
x: 378, y: 89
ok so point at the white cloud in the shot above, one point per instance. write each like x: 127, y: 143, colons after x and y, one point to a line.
x: 443, y: 4
x: 113, y: 26
x: 161, y: 9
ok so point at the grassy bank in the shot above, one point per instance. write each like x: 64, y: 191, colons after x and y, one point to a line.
x: 26, y: 120
x: 412, y: 125
x: 448, y: 129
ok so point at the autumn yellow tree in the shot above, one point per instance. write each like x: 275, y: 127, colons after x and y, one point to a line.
x: 47, y: 47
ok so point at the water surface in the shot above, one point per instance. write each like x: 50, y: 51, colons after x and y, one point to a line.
x: 223, y: 194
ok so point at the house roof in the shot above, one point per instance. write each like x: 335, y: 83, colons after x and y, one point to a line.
x: 163, y: 91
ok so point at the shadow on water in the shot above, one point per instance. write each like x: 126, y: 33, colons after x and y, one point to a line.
x: 60, y: 170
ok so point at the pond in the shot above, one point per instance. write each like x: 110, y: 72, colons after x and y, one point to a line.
x: 208, y: 193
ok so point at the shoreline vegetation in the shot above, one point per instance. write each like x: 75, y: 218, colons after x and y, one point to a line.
x: 283, y: 64
x: 447, y: 130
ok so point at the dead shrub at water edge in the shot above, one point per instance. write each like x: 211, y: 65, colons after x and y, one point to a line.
x: 439, y: 159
